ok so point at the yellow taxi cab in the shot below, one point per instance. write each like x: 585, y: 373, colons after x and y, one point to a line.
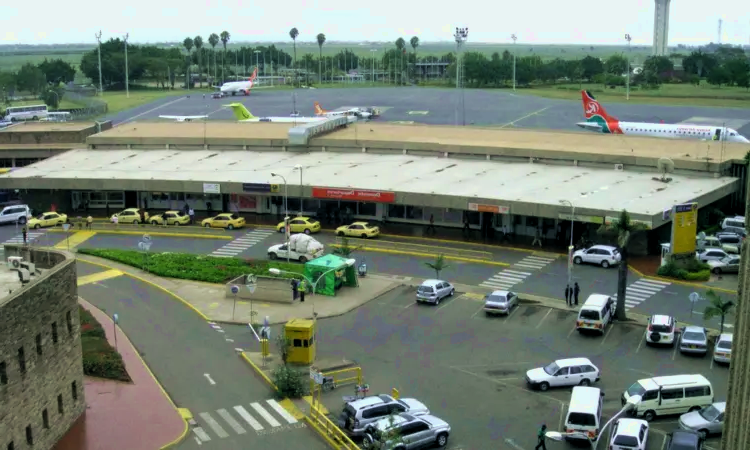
x: 300, y: 225
x: 227, y: 221
x: 48, y: 219
x: 358, y: 229
x: 176, y: 218
x: 130, y: 215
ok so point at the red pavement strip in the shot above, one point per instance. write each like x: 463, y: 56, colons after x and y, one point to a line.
x: 125, y: 416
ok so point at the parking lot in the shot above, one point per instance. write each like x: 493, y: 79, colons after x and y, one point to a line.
x: 469, y: 369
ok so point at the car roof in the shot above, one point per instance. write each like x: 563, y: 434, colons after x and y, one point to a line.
x: 596, y: 300
x: 51, y: 212
x: 500, y: 293
x: 721, y: 406
x: 726, y: 337
x: 566, y: 362
x: 584, y: 398
x: 604, y: 247
x: 300, y: 217
x: 130, y: 209
x: 432, y: 282
x: 630, y: 427
x: 685, y: 436
x: 365, y: 402
x: 659, y: 319
x: 360, y: 223
x: 675, y: 379
x: 432, y: 420
x: 695, y: 329
x: 172, y: 211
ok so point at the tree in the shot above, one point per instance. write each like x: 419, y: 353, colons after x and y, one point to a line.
x: 699, y: 63
x: 198, y: 42
x: 414, y: 42
x: 591, y: 67
x: 321, y: 38
x: 438, y: 266
x: 31, y: 79
x: 224, y: 36
x: 188, y: 44
x: 52, y: 96
x: 659, y: 67
x: 622, y: 229
x: 213, y: 41
x: 345, y: 249
x: 57, y: 71
x: 293, y: 33
x: 717, y: 308
x: 616, y: 65
x: 400, y: 46
x: 737, y: 69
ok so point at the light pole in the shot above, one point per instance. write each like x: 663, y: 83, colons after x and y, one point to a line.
x: 514, y: 37
x: 286, y: 213
x: 127, y: 86
x: 299, y: 167
x: 313, y: 284
x: 570, y: 247
x: 372, y: 52
x: 462, y: 34
x: 559, y: 436
x: 627, y: 83
x: 99, y: 50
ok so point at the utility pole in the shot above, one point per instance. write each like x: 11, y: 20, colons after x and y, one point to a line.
x: 627, y: 81
x: 127, y: 86
x: 372, y: 63
x: 99, y: 49
x: 514, y: 37
x: 462, y: 34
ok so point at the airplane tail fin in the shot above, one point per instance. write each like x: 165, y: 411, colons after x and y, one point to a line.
x: 240, y: 112
x: 253, y: 75
x: 318, y: 110
x: 593, y: 110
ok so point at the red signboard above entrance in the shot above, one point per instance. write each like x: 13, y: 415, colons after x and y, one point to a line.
x: 355, y: 195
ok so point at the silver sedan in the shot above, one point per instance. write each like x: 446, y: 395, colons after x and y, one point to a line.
x: 709, y: 420
x: 694, y: 340
x: 500, y: 302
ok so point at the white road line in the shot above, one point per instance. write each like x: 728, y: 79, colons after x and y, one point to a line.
x: 197, y: 440
x: 230, y: 420
x: 651, y: 285
x: 281, y: 411
x: 263, y: 413
x: 542, y: 321
x: 481, y: 308
x: 528, y: 266
x: 501, y: 278
x: 664, y: 283
x: 208, y: 376
x: 201, y: 434
x: 222, y: 256
x: 516, y: 272
x: 248, y: 418
x: 537, y: 258
x: 149, y: 111
x: 214, y: 425
x: 640, y: 290
x: 495, y: 285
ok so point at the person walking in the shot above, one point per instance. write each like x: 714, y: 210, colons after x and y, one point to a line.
x: 540, y: 438
x: 576, y: 291
x: 191, y: 213
x: 431, y: 226
x: 294, y: 289
x: 568, y: 296
x: 467, y: 228
x: 89, y: 221
x: 302, y: 287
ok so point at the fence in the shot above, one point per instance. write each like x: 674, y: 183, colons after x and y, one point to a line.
x: 91, y: 105
x: 336, y: 438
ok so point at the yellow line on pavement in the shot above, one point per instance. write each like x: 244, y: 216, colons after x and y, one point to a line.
x: 74, y: 239
x: 157, y: 233
x: 387, y: 245
x: 291, y: 409
x: 430, y: 255
x: 99, y: 276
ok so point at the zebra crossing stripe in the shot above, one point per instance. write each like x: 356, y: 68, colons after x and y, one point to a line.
x: 656, y: 282
x: 214, y: 425
x: 281, y: 411
x: 516, y: 272
x: 263, y: 413
x: 248, y: 418
x: 202, y: 435
x: 230, y: 420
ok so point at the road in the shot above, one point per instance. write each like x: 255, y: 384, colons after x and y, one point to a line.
x: 199, y: 368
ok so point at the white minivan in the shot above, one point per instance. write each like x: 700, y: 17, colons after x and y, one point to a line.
x: 676, y: 394
x: 584, y: 413
x: 596, y: 313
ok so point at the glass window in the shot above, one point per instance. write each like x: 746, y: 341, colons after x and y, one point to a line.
x: 699, y: 391
x: 575, y: 370
x: 310, y: 205
x: 473, y: 217
x: 297, y: 343
x: 561, y: 372
x: 116, y: 196
x: 452, y: 216
x: 396, y: 211
x: 532, y: 221
x: 582, y: 419
x: 97, y: 196
x: 414, y: 212
x: 351, y: 205
x: 651, y: 395
x: 367, y: 209
x: 671, y: 394
x: 292, y: 205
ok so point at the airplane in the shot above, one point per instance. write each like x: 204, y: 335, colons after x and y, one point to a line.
x: 237, y: 87
x: 243, y: 115
x: 599, y: 121
x: 183, y: 118
x: 362, y: 113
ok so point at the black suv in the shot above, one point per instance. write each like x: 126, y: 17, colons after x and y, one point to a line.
x: 684, y: 440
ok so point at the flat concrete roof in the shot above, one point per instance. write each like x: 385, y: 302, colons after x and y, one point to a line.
x: 527, y: 188
x: 136, y: 132
x: 36, y: 127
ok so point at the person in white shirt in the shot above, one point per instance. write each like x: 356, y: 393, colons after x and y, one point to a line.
x: 191, y: 213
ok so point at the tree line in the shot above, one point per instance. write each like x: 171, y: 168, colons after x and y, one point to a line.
x: 41, y: 80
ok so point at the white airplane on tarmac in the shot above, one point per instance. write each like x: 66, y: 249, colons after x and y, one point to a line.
x: 362, y: 113
x: 239, y: 87
x: 243, y: 115
x: 183, y: 118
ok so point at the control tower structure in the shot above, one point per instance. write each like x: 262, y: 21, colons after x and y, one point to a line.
x: 661, y: 27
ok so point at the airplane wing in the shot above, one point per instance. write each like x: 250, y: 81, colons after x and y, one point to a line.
x: 182, y: 118
x: 591, y: 126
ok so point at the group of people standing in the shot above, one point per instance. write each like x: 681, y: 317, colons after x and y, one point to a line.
x: 571, y: 294
x: 299, y: 288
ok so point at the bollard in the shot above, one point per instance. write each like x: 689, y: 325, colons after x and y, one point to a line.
x: 264, y: 347
x: 395, y: 393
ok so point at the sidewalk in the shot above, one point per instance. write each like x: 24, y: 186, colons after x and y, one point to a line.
x: 124, y: 416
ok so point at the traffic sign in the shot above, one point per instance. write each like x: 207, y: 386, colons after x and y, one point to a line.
x: 115, y: 318
x: 694, y: 297
x: 235, y: 289
x: 316, y: 376
x: 66, y: 226
x: 146, y: 238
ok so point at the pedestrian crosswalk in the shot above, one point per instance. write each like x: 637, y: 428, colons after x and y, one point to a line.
x: 642, y: 290
x: 30, y: 237
x: 259, y: 417
x: 534, y: 262
x: 505, y: 279
x: 241, y: 244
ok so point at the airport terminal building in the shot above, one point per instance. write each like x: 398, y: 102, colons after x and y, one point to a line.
x: 526, y: 182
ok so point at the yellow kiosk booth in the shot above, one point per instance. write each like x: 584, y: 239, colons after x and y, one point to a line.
x: 301, y: 335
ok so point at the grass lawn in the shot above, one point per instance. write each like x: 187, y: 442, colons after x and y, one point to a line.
x: 100, y: 359
x: 118, y: 100
x: 667, y: 94
x: 13, y: 63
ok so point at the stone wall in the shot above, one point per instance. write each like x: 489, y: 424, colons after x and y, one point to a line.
x: 267, y: 289
x: 41, y: 373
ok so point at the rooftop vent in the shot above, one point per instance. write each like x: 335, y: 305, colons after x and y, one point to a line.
x: 664, y: 166
x: 444, y: 168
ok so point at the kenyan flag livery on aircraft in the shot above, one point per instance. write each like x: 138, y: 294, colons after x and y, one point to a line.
x: 595, y: 113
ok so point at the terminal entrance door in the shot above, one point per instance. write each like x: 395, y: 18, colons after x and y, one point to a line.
x: 487, y: 230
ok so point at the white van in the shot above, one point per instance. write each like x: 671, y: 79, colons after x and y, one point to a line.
x: 584, y: 412
x: 734, y: 224
x: 596, y: 313
x: 676, y: 394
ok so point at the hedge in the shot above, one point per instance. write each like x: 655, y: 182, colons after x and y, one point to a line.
x: 188, y: 266
x: 100, y: 359
x: 693, y: 271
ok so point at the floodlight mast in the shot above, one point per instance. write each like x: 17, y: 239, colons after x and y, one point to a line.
x: 99, y: 51
x: 127, y: 84
x: 627, y: 84
x: 461, y: 35
x: 514, y: 37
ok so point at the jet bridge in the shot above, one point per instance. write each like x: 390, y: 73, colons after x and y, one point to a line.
x: 301, y: 134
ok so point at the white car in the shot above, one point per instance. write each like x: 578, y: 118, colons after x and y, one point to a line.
x: 723, y: 348
x: 15, y: 214
x: 601, y: 255
x: 500, y: 302
x: 432, y: 291
x: 629, y: 434
x: 281, y: 251
x: 563, y: 372
x: 661, y: 330
x: 711, y: 254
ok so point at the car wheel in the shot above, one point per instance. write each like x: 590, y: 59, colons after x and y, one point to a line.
x: 340, y: 233
x: 577, y: 260
x: 453, y: 291
x: 273, y: 255
x: 302, y: 259
x: 543, y: 386
x: 206, y: 225
x: 585, y: 382
x: 442, y: 439
x: 367, y: 441
x: 230, y: 227
x: 717, y: 270
x: 37, y: 226
x: 703, y: 433
x: 364, y: 236
x: 35, y: 118
x: 307, y: 231
x: 22, y: 220
x: 153, y: 222
x: 136, y: 222
x: 605, y: 264
x: 694, y: 408
x: 649, y: 415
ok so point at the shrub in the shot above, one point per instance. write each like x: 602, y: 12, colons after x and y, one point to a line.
x: 100, y: 359
x: 187, y: 266
x: 693, y: 270
x: 292, y: 383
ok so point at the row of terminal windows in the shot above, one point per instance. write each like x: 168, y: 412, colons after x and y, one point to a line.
x: 45, y: 416
x: 39, y: 348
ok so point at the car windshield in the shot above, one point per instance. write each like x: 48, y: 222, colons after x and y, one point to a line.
x: 582, y: 419
x: 710, y: 413
x: 661, y: 328
x: 628, y: 441
x: 636, y: 389
x: 496, y: 298
x: 726, y: 259
x: 589, y: 314
x: 724, y: 345
x: 694, y: 336
x: 425, y: 289
x: 551, y: 369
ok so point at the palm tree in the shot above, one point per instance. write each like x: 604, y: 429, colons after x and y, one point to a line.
x: 623, y: 229
x: 224, y: 36
x: 717, y: 308
x: 293, y: 33
x: 414, y: 42
x: 213, y: 41
x: 198, y: 42
x: 321, y: 40
x: 188, y: 44
x: 400, y: 45
x: 438, y: 266
x: 345, y: 249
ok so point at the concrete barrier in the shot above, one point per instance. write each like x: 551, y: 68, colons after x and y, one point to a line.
x: 267, y: 289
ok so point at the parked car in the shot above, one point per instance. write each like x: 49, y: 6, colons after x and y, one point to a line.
x: 131, y: 216
x: 711, y: 254
x: 629, y: 434
x: 433, y: 291
x: 15, y: 214
x: 412, y: 432
x: 358, y: 229
x: 563, y: 372
x: 300, y: 225
x: 723, y: 348
x: 661, y: 330
x: 176, y: 218
x: 707, y: 421
x: 48, y: 219
x: 500, y: 302
x: 730, y: 264
x: 358, y: 414
x: 602, y: 255
x: 693, y: 340
x: 731, y: 243
x: 228, y: 221
x: 684, y: 440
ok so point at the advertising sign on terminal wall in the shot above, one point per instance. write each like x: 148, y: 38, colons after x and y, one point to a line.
x: 497, y: 209
x: 684, y: 228
x: 356, y: 195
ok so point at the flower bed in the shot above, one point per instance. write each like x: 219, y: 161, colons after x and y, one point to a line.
x: 100, y: 359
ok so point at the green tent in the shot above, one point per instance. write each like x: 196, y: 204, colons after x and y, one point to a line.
x: 334, y: 272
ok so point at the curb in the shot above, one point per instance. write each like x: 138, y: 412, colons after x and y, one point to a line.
x: 259, y: 371
x: 428, y: 255
x: 153, y: 233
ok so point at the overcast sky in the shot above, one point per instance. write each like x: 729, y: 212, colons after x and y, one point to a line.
x: 547, y: 21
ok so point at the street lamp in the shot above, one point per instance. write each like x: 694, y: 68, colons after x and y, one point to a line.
x: 627, y: 84
x: 559, y: 436
x: 99, y: 50
x: 514, y: 37
x: 570, y: 247
x: 286, y: 213
x: 462, y: 34
x: 314, y: 284
x: 299, y: 167
x: 372, y: 51
x: 127, y: 87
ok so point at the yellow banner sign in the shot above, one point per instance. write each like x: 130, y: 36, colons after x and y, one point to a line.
x: 684, y: 228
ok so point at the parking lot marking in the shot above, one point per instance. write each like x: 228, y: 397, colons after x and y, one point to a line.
x: 513, y: 444
x: 674, y: 352
x: 711, y: 367
x: 496, y: 381
x: 450, y: 302
x: 481, y: 308
x: 542, y: 321
x: 606, y: 335
x: 512, y: 312
x: 640, y: 344
x: 641, y: 371
x: 481, y: 366
x: 571, y: 331
x: 664, y: 442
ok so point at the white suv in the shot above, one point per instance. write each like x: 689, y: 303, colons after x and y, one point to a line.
x: 432, y: 291
x: 601, y: 255
x: 358, y: 414
x: 15, y: 214
x: 661, y: 330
